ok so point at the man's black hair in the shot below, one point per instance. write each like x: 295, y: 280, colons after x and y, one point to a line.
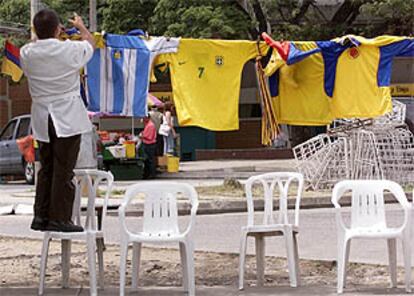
x: 45, y: 23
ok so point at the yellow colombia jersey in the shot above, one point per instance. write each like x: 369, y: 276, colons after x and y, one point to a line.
x: 300, y: 98
x: 357, y: 91
x: 205, y: 76
x: 344, y: 78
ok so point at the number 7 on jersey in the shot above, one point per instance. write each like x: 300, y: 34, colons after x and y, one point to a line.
x: 200, y: 71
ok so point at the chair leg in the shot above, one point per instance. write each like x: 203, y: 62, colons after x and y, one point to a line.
x: 100, y: 250
x: 297, y: 261
x: 242, y: 258
x: 66, y: 254
x: 43, y: 262
x: 290, y: 251
x: 136, y: 258
x: 184, y: 263
x: 122, y: 267
x: 190, y: 267
x: 392, y: 259
x: 347, y: 251
x: 260, y: 259
x: 91, y: 249
x: 407, y: 261
x: 343, y: 253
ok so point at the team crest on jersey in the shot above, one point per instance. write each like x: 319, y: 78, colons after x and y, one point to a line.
x: 219, y: 60
x: 117, y: 54
x: 354, y: 52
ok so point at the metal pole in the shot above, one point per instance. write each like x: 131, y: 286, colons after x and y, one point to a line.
x: 9, y: 102
x: 34, y: 8
x: 92, y: 16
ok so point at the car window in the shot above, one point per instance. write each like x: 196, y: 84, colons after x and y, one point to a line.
x: 23, y: 129
x: 7, y: 133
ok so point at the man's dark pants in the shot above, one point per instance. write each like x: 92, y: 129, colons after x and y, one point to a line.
x: 150, y: 169
x: 55, y: 191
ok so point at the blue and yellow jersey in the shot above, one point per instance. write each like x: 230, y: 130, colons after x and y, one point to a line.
x: 297, y: 90
x: 356, y: 73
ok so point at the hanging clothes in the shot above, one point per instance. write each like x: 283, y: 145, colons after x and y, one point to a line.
x: 206, y: 78
x: 359, y: 84
x: 356, y: 72
x: 118, y: 74
x: 297, y: 90
x: 288, y: 50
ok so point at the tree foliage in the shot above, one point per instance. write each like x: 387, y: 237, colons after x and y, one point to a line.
x: 200, y: 19
x: 15, y: 11
x: 396, y: 17
x: 305, y: 20
x: 65, y: 9
x: 232, y: 19
x: 121, y: 16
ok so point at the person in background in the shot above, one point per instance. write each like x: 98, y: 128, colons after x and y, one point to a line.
x: 156, y: 117
x: 59, y: 116
x: 149, y: 141
x: 169, y: 138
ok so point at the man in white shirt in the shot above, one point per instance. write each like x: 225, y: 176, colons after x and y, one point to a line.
x: 59, y: 116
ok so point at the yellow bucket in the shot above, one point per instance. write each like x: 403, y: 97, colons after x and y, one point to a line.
x: 173, y: 164
x: 130, y: 149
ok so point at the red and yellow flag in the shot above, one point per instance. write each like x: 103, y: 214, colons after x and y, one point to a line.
x: 11, y: 62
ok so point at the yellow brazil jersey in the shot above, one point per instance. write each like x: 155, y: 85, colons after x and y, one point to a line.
x: 299, y: 96
x: 206, y: 76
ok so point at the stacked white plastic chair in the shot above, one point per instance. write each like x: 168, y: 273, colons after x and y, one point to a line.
x: 160, y: 225
x: 380, y: 148
x: 92, y: 234
x: 368, y: 220
x: 271, y: 224
x: 312, y: 159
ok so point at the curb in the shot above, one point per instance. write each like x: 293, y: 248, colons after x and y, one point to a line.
x: 212, y: 207
x: 223, y: 206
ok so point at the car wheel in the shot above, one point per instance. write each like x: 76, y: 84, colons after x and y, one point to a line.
x: 29, y: 172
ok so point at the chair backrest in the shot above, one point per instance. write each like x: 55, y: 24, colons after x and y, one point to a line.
x: 89, y: 181
x: 160, y: 206
x: 283, y: 180
x: 367, y: 208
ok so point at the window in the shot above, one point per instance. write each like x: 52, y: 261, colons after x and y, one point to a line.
x: 23, y: 129
x: 7, y: 133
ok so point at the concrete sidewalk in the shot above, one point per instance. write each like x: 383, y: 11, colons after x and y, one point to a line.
x: 211, y: 291
x: 196, y: 173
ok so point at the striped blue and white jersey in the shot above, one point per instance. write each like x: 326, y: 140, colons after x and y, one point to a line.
x: 118, y: 75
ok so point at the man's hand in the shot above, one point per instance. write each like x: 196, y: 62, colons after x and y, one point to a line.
x: 77, y: 22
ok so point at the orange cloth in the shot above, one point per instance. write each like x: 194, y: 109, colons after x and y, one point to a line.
x: 26, y: 148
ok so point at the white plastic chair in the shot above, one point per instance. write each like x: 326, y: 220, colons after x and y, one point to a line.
x: 368, y: 221
x: 92, y: 234
x: 160, y: 225
x: 272, y: 226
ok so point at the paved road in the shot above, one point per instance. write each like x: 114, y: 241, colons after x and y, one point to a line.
x: 220, y: 233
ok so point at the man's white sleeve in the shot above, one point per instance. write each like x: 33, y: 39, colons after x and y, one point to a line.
x: 81, y: 53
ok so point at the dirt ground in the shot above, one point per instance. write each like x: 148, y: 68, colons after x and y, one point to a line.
x: 19, y: 267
